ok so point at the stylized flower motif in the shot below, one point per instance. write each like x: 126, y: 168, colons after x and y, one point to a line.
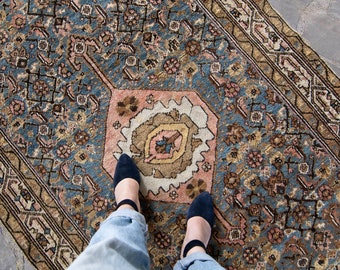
x: 255, y: 138
x: 58, y: 109
x: 231, y: 89
x: 278, y: 159
x: 195, y: 188
x: 150, y: 99
x: 3, y: 121
x: 231, y: 180
x: 253, y: 92
x: 173, y: 194
x: 206, y: 166
x: 106, y: 38
x: 19, y: 21
x: 235, y: 234
x: 300, y: 213
x: 131, y: 61
x: 81, y: 137
x: 64, y: 71
x: 171, y: 65
x: 3, y: 36
x: 82, y: 100
x: 303, y: 168
x: 252, y: 72
x: 193, y: 47
x: 213, y: 30
x: 254, y: 159
x: 302, y: 262
x: 77, y: 202
x: 41, y: 88
x: 99, y: 204
x: 131, y: 17
x: 81, y: 156
x: 235, y: 154
x: 251, y: 255
x: 79, y: 220
x: 174, y: 26
x: 17, y: 107
x: 252, y: 182
x: 254, y: 210
x: 161, y: 260
x: 325, y: 192
x: 95, y: 224
x: 181, y: 221
x: 64, y: 151
x: 234, y: 134
x: 129, y: 104
x: 236, y: 69
x: 323, y: 171
x: 43, y: 45
x: 162, y: 240
x: 277, y: 140
x: 256, y: 116
x: 86, y: 10
x: 43, y: 130
x: 275, y: 235
x: 116, y: 125
x: 158, y: 217
x: 77, y: 179
x: 79, y: 47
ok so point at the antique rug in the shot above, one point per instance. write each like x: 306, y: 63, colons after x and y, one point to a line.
x: 216, y: 95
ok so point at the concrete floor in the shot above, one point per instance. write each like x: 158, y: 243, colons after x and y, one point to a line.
x: 317, y: 21
x: 11, y: 256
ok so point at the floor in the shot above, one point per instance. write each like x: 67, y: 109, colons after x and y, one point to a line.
x: 317, y: 21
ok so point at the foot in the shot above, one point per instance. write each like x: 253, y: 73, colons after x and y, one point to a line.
x: 126, y: 182
x: 200, y: 221
x: 197, y: 229
x: 128, y: 188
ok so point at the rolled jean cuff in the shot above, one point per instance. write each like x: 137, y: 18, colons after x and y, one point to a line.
x: 138, y: 217
x: 198, y: 261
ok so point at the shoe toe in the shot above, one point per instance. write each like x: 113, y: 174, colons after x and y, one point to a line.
x: 126, y: 168
x: 202, y: 206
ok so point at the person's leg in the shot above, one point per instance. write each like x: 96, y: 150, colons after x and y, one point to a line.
x: 200, y: 221
x: 120, y: 242
x: 198, y: 261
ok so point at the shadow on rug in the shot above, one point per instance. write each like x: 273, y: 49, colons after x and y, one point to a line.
x: 205, y: 95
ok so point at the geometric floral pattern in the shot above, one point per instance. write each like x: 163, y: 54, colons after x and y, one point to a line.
x: 168, y: 142
x: 204, y: 95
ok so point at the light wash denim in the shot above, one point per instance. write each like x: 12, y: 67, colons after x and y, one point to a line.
x: 120, y: 243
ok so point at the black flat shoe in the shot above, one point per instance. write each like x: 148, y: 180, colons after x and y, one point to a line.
x: 126, y: 168
x: 201, y: 206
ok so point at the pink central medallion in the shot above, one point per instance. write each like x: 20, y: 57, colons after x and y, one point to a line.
x: 170, y: 136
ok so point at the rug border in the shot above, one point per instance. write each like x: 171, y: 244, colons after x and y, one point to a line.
x: 22, y: 236
x: 322, y: 127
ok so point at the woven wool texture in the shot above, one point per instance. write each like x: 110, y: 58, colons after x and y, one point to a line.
x: 218, y: 96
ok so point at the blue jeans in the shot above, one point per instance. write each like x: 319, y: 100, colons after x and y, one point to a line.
x: 120, y: 243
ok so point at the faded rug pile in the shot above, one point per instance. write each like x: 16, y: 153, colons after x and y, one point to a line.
x: 216, y: 95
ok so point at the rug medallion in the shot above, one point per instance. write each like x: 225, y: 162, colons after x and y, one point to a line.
x: 215, y: 95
